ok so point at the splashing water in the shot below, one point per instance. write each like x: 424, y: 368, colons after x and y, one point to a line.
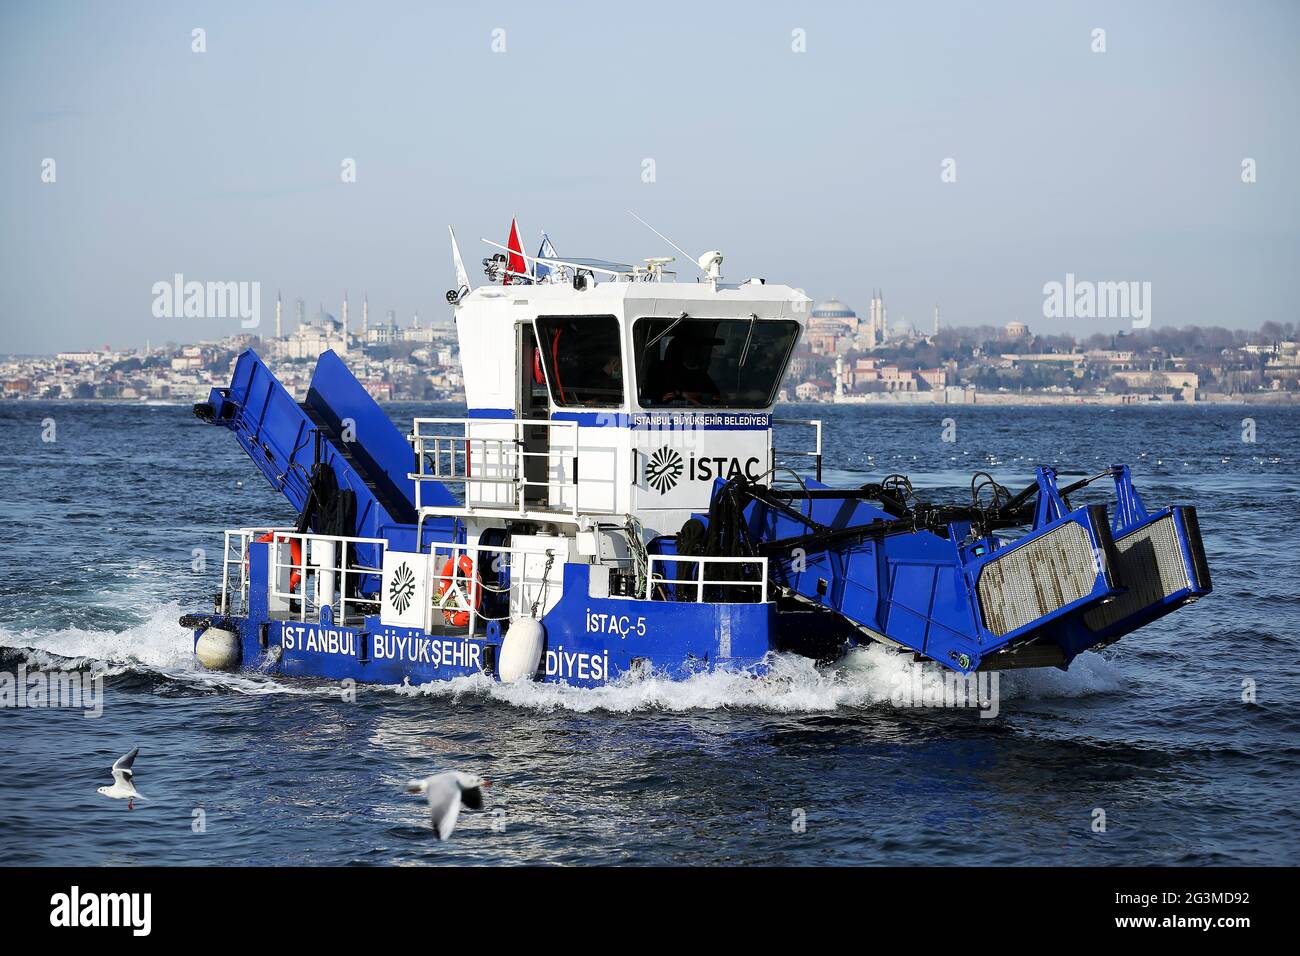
x: 865, y: 677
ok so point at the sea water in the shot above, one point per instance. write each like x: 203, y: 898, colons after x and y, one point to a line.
x: 1180, y: 744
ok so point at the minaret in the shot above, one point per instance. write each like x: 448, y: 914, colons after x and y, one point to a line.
x: 365, y: 315
x: 936, y: 318
x: 415, y: 320
x: 299, y: 308
x: 878, y: 316
x: 343, y: 321
x: 279, y: 310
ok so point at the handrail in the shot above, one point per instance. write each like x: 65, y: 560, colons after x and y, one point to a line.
x: 699, y: 580
x: 453, y: 601
x: 508, y: 455
x: 243, y: 536
x: 816, y: 454
x: 336, y: 589
x: 337, y: 571
x: 450, y: 600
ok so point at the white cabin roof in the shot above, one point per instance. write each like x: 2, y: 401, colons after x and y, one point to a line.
x: 653, y: 298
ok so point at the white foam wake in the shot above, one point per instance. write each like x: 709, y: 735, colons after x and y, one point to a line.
x: 868, y: 676
x: 157, y: 645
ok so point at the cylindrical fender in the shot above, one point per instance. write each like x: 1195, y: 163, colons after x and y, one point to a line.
x: 521, y: 650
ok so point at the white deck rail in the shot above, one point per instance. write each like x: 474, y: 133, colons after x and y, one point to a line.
x: 531, y: 576
x: 324, y: 572
x: 235, y: 552
x: 484, y: 464
x: 535, y: 577
x: 700, y: 581
x: 324, y: 569
x: 816, y: 454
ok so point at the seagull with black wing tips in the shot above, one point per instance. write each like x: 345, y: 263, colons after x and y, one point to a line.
x: 446, y: 792
x: 123, y: 787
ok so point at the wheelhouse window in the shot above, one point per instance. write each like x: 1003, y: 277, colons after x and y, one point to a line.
x: 584, y: 362
x: 720, y: 363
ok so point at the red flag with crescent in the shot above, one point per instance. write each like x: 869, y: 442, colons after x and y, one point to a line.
x: 515, y: 262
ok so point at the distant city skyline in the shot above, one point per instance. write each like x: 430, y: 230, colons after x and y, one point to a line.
x: 941, y: 153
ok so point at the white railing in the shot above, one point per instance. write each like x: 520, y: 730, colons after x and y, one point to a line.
x: 700, y: 581
x: 323, y: 571
x: 324, y: 575
x: 816, y: 453
x: 535, y: 580
x: 235, y: 552
x: 482, y: 463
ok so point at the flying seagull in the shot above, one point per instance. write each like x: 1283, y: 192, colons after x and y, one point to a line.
x: 446, y: 792
x: 123, y: 787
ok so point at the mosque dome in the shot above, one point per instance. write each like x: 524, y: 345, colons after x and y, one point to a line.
x: 832, y: 308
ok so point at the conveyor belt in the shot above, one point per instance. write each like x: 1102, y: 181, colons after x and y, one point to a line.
x: 375, y: 480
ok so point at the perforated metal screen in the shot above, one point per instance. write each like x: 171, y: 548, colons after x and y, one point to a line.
x: 1150, y: 565
x: 1037, y: 578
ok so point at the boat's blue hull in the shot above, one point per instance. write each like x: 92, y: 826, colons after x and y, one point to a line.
x: 589, y: 642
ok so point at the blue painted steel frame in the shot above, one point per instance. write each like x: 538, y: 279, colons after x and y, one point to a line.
x: 920, y: 590
x: 915, y: 588
x: 279, y: 436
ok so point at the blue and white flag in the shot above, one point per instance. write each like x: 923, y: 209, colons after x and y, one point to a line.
x: 540, y: 269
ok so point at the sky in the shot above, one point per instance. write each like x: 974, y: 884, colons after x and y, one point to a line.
x: 822, y: 168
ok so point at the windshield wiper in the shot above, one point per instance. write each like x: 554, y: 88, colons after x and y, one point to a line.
x: 672, y: 325
x: 744, y: 353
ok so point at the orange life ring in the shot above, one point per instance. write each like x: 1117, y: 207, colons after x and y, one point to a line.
x: 452, y: 572
x: 295, y: 554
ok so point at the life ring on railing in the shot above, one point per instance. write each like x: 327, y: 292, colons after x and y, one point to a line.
x: 453, y: 572
x: 295, y: 554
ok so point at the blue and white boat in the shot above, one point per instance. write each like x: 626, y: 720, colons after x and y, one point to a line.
x: 615, y: 501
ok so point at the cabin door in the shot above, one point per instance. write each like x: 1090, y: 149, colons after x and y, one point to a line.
x: 533, y: 404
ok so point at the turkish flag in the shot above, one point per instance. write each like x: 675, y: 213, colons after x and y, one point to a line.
x: 515, y: 261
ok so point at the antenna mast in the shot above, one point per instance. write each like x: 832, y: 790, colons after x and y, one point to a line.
x: 690, y: 257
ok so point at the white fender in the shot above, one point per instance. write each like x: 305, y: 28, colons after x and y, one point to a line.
x: 218, y: 649
x: 521, y: 650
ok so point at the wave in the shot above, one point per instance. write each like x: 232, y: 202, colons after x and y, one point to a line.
x: 157, y: 647
x: 158, y: 642
x: 866, y: 677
